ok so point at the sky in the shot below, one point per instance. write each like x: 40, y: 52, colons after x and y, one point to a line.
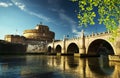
x: 59, y: 15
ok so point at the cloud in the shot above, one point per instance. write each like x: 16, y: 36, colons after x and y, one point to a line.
x: 54, y: 3
x: 71, y: 23
x: 23, y: 7
x: 39, y: 16
x: 4, y: 4
x: 20, y: 5
x: 67, y: 20
x: 76, y: 32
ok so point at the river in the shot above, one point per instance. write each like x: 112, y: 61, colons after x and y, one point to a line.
x: 41, y: 66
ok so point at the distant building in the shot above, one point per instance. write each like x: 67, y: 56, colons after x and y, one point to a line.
x: 15, y: 39
x: 40, y: 33
x: 36, y: 39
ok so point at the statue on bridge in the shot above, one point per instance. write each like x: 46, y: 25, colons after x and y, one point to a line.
x: 102, y: 50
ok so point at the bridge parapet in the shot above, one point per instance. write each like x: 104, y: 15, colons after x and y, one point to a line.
x: 76, y: 38
x: 98, y: 34
x: 59, y: 41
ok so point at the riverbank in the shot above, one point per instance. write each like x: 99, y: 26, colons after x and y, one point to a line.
x: 12, y: 48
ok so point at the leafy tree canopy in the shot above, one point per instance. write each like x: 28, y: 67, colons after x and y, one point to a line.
x: 107, y: 12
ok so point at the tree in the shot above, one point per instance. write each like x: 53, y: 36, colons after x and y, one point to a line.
x: 107, y: 12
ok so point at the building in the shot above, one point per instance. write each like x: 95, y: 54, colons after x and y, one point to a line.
x: 13, y: 44
x: 15, y: 39
x: 40, y: 33
x: 38, y: 38
x: 35, y: 39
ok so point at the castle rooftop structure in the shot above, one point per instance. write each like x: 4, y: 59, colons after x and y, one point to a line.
x: 40, y: 33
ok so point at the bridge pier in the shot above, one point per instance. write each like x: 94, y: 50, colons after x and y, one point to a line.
x: 63, y: 51
x: 82, y: 51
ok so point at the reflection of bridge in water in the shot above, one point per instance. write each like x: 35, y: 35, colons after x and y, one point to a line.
x: 86, y: 68
x: 37, y: 66
x: 91, y: 45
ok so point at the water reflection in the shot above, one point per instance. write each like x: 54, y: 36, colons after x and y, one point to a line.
x: 73, y: 62
x: 37, y: 66
x: 100, y: 66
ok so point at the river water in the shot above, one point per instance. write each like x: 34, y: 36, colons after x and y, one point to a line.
x: 39, y: 66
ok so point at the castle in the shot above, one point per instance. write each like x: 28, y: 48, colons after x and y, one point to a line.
x: 35, y: 39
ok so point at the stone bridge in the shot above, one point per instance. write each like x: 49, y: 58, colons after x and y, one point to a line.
x: 91, y: 45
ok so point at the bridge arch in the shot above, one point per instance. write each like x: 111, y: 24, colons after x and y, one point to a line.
x: 100, y: 46
x: 72, y: 48
x: 49, y: 49
x: 58, y: 49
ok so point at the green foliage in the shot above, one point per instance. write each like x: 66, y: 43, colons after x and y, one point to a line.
x: 108, y: 12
